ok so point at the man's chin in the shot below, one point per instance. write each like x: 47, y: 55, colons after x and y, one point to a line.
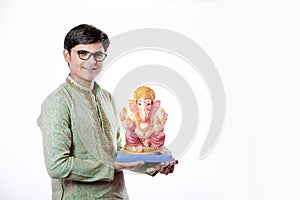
x: 87, y: 78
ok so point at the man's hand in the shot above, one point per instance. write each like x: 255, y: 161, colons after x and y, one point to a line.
x: 167, y: 167
x: 127, y: 165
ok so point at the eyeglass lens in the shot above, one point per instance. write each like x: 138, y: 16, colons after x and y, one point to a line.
x: 85, y: 55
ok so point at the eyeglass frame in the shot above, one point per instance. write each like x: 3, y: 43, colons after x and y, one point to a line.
x: 91, y: 54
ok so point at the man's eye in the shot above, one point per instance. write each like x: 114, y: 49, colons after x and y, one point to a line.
x: 83, y: 52
x: 98, y: 54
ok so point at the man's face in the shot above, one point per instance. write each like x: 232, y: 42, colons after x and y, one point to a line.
x: 84, y: 71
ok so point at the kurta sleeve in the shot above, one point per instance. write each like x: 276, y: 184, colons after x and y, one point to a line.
x: 54, y: 122
x: 116, y: 115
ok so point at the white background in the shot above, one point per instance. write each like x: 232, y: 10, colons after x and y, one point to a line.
x: 255, y: 47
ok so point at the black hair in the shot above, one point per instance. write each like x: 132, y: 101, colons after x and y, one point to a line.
x: 85, y: 34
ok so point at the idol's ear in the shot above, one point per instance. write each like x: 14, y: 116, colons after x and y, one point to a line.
x: 155, y: 107
x: 132, y: 106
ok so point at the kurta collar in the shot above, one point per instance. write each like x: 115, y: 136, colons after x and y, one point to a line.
x: 76, y: 85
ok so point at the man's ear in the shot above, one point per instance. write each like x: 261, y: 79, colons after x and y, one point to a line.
x: 67, y: 55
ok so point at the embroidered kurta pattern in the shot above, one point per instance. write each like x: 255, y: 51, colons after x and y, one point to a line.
x: 80, y: 139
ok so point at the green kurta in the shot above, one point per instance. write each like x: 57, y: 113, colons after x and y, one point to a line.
x: 80, y: 138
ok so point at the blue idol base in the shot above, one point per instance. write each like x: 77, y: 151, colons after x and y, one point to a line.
x: 123, y: 156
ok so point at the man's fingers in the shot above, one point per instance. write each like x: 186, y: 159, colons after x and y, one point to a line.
x: 171, y: 169
x: 174, y: 162
x: 167, y: 167
x: 132, y: 164
x: 128, y: 165
x: 159, y: 166
x: 137, y: 163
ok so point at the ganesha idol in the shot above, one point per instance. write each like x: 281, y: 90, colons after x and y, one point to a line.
x: 144, y: 122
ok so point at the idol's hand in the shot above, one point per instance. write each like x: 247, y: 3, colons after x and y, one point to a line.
x: 123, y: 114
x: 127, y: 165
x: 166, y: 167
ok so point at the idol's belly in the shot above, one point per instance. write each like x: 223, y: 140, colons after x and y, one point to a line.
x: 144, y: 133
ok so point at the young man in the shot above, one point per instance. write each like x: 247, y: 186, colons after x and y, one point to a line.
x: 80, y: 126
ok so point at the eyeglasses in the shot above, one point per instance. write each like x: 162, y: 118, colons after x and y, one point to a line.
x: 85, y: 55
